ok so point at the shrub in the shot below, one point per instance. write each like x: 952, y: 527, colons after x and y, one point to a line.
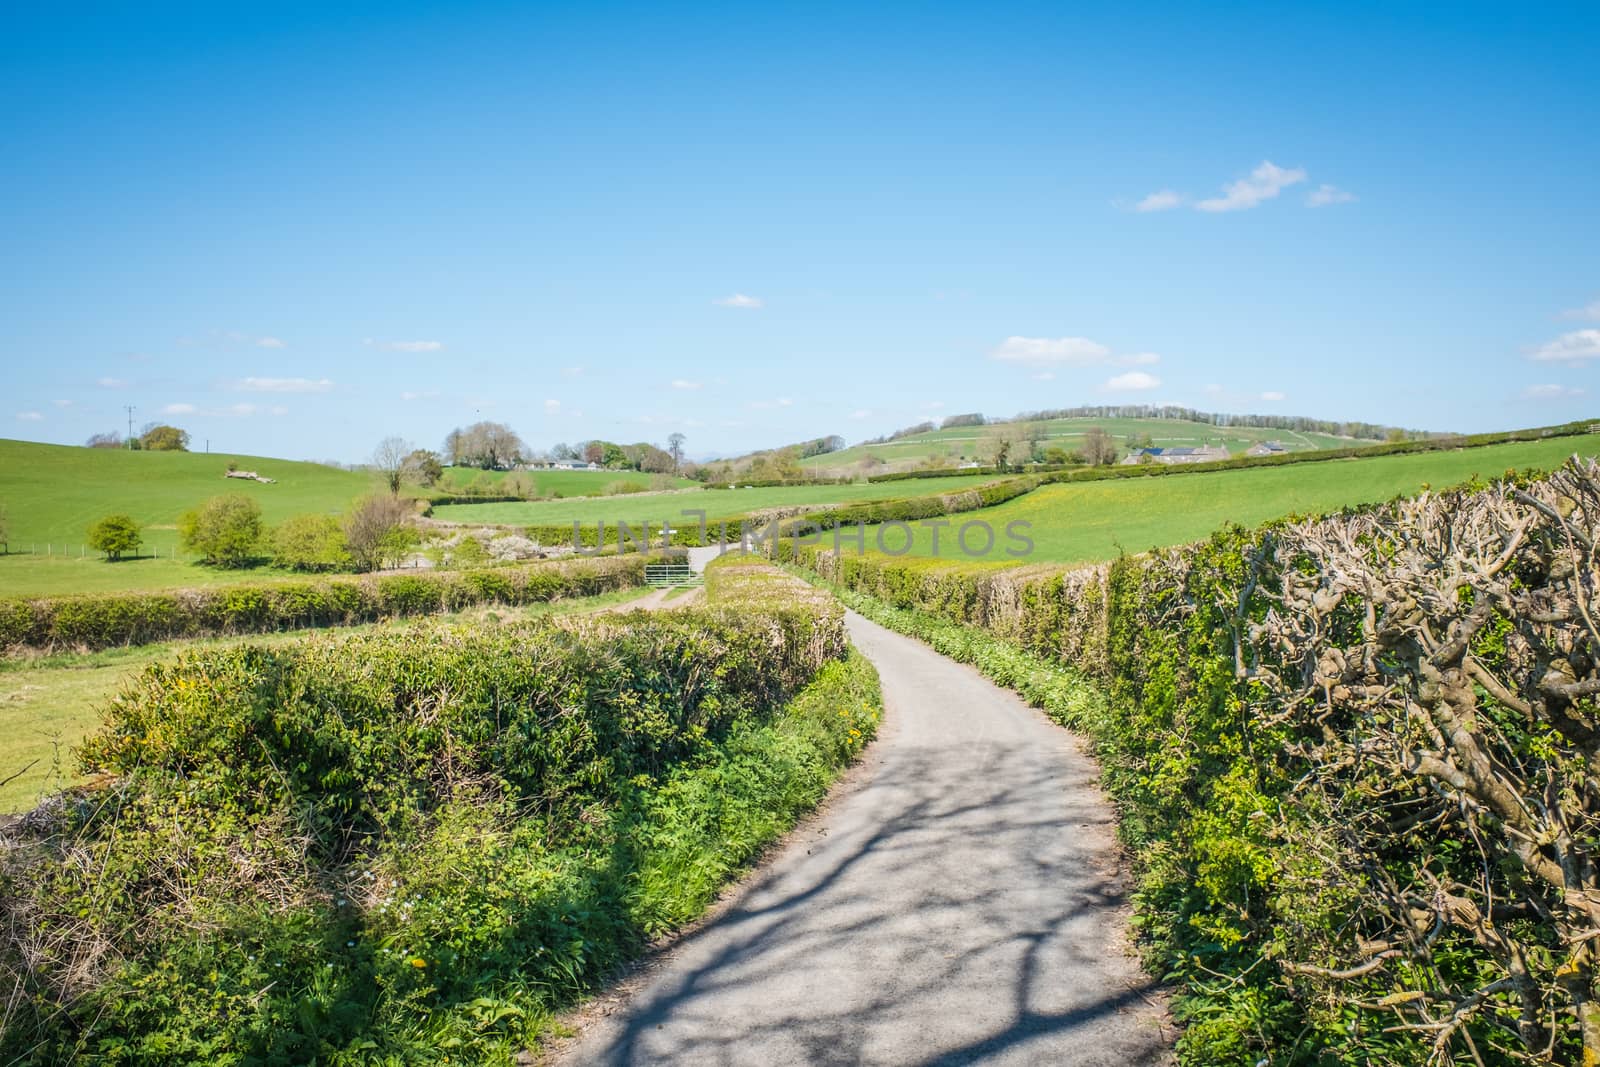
x: 108, y: 619
x: 115, y: 535
x: 378, y: 532
x: 225, y: 530
x: 310, y: 543
x: 412, y: 844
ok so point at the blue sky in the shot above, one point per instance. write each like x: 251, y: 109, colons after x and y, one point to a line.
x: 294, y: 231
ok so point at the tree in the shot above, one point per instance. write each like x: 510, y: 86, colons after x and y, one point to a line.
x: 225, y: 530
x: 996, y: 447
x: 1098, y: 448
x: 159, y: 437
x: 488, y: 445
x: 106, y: 440
x: 389, y: 458
x: 653, y: 460
x: 424, y: 466
x: 563, y: 451
x: 5, y: 530
x: 310, y: 543
x: 675, y: 450
x: 114, y: 535
x: 378, y: 532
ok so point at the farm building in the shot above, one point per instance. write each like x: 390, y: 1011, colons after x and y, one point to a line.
x: 1203, y: 454
x: 1266, y: 448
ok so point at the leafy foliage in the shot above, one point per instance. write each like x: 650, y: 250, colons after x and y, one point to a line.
x: 225, y: 530
x: 411, y: 847
x: 115, y: 535
x: 162, y: 438
x: 104, y: 620
x: 310, y: 543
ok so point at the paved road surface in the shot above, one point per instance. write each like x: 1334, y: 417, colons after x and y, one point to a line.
x: 959, y: 904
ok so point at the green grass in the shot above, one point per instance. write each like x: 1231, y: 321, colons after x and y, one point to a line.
x: 554, y: 483
x: 1099, y: 520
x: 717, y: 503
x: 49, y: 703
x: 53, y: 492
x: 965, y: 442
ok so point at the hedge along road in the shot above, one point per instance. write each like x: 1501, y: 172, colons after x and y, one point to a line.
x: 959, y: 902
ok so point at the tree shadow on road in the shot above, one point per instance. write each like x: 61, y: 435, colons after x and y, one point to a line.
x: 975, y: 920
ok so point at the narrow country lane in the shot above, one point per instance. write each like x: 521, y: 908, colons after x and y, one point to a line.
x: 958, y: 903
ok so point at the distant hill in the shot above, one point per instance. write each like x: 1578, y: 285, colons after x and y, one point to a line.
x: 959, y: 444
x: 959, y: 439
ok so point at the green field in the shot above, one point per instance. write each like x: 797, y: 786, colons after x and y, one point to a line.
x: 53, y: 492
x: 554, y: 483
x: 48, y: 704
x: 717, y: 503
x: 966, y: 442
x: 1100, y: 520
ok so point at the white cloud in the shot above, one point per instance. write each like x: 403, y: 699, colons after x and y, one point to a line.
x: 1264, y: 183
x: 285, y: 385
x: 1574, y: 347
x: 552, y: 407
x: 1273, y: 396
x: 1134, y: 379
x: 1051, y: 351
x: 740, y: 300
x: 404, y: 346
x: 1324, y: 195
x: 278, y: 409
x: 1591, y: 310
x: 112, y: 383
x: 684, y: 383
x: 1045, y: 376
x: 419, y: 394
x: 762, y: 405
x: 573, y: 372
x: 62, y: 403
x: 1139, y: 359
x: 860, y: 413
x: 231, y: 411
x: 30, y: 416
x: 269, y: 342
x: 1165, y: 200
x: 1551, y: 392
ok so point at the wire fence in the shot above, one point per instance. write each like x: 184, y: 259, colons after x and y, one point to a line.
x: 69, y: 550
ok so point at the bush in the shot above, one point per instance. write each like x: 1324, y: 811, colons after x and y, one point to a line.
x: 109, y: 619
x: 310, y: 543
x: 412, y: 845
x: 225, y: 530
x: 115, y: 535
x: 379, y: 533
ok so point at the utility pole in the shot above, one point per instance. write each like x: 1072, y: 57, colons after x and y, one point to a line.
x: 130, y: 425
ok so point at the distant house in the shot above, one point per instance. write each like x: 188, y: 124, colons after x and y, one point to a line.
x: 1203, y: 454
x: 573, y: 465
x: 1266, y: 448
